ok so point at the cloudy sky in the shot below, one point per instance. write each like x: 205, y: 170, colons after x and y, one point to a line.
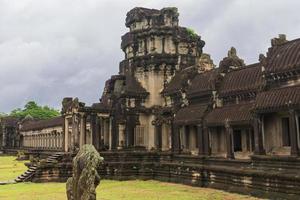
x: 50, y: 49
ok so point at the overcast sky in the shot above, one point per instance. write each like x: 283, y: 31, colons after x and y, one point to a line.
x: 50, y: 49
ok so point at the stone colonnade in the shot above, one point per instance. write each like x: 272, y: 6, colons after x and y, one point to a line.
x: 86, y: 128
x: 43, y: 140
x: 259, y: 133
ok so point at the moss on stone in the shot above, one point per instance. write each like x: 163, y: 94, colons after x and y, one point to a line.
x: 82, y: 185
x: 191, y: 33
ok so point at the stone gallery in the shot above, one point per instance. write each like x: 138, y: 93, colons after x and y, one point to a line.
x: 171, y: 114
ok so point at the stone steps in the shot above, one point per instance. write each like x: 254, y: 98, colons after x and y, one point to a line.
x: 32, y: 170
x: 27, y: 174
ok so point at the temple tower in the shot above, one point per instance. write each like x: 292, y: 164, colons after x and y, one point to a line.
x: 155, y: 48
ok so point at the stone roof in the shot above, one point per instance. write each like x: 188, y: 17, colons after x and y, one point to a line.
x: 283, y: 57
x: 133, y: 87
x: 137, y: 14
x: 175, y: 84
x: 234, y: 114
x: 278, y: 99
x: 246, y: 79
x: 191, y: 114
x: 9, y: 121
x: 203, y: 83
x: 101, y: 107
x: 180, y: 81
x: 42, y: 124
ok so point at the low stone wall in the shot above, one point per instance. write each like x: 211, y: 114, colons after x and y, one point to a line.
x: 261, y: 176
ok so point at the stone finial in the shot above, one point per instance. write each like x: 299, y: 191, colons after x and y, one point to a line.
x: 205, y: 62
x: 232, y: 61
x: 262, y: 59
x: 279, y: 41
x: 67, y: 101
x: 232, y: 53
x: 85, y: 178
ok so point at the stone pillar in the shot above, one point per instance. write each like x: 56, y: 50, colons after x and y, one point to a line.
x: 175, y: 137
x: 75, y: 131
x: 114, y: 133
x: 110, y: 132
x: 158, y: 133
x: 82, y: 130
x: 47, y: 140
x: 50, y: 140
x: 55, y: 140
x: 4, y: 136
x: 66, y: 133
x: 130, y: 124
x: 44, y: 140
x: 98, y: 134
x: 200, y: 139
x: 206, y: 141
x: 106, y: 131
x: 95, y: 131
x: 39, y: 141
x: 59, y: 140
x: 293, y: 133
x: 229, y: 141
x: 258, y: 136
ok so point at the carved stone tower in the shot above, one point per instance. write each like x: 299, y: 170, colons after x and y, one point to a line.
x: 155, y: 48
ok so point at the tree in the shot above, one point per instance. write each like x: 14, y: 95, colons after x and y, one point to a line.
x: 31, y: 108
x: 2, y: 114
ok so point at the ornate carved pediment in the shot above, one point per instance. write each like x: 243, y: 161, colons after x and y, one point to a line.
x: 70, y: 105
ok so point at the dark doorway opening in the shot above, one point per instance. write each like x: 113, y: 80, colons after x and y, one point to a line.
x: 237, y: 140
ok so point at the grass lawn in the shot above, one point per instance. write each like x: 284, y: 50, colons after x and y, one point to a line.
x: 112, y: 190
x: 10, y: 168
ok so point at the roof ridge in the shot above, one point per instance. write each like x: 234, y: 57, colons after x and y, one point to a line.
x: 246, y: 67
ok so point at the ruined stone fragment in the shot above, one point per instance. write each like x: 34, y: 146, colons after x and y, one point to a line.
x: 82, y: 185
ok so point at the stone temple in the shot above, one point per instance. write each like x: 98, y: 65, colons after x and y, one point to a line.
x: 171, y: 114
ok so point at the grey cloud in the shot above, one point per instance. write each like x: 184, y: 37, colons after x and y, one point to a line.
x: 55, y: 48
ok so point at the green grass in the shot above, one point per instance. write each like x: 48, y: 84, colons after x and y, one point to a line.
x: 110, y: 190
x: 10, y: 168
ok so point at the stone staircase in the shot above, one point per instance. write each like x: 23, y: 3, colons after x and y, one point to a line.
x: 27, y: 175
x: 54, y: 158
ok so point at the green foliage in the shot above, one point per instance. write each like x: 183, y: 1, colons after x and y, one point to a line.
x: 2, y: 114
x: 35, y: 111
x: 191, y: 33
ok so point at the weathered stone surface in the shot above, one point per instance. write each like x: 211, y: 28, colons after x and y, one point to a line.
x: 82, y: 185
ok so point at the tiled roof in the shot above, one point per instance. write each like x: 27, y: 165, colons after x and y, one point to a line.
x: 203, y: 83
x: 242, y: 80
x: 284, y: 57
x: 41, y: 124
x: 191, y: 114
x: 234, y: 114
x: 276, y: 99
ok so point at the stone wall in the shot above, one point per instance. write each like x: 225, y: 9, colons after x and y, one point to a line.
x: 261, y: 176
